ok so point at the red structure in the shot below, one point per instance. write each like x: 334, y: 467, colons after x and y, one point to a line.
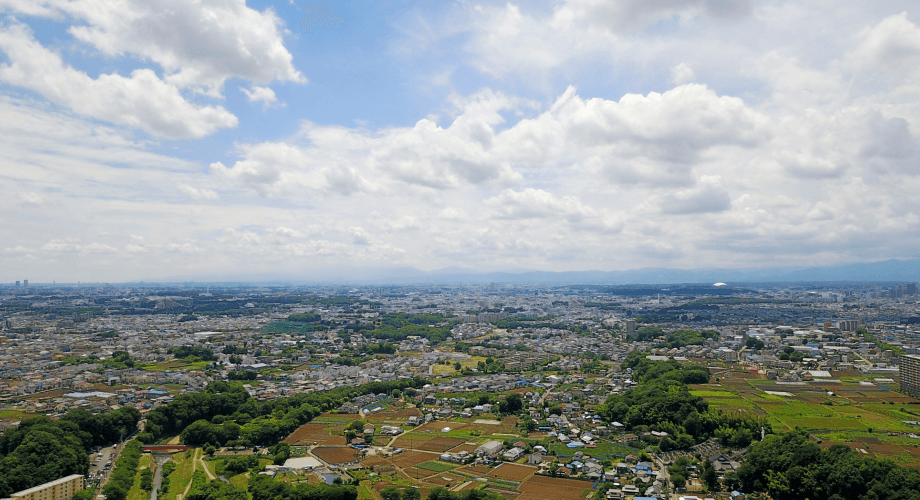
x: 165, y: 448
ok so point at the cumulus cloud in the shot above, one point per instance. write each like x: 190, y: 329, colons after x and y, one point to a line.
x: 537, y: 203
x: 707, y: 197
x: 143, y: 101
x: 505, y: 39
x: 198, y: 44
x: 264, y: 95
x: 682, y: 74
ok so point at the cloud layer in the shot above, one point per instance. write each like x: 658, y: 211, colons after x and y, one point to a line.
x: 594, y: 135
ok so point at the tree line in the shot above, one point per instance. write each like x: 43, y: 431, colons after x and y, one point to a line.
x: 662, y: 401
x: 41, y: 450
x: 792, y: 467
x: 224, y: 414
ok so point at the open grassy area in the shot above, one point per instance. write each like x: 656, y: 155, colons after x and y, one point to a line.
x: 11, y: 415
x: 713, y: 394
x: 181, y: 477
x: 852, y: 414
x: 602, y: 451
x: 449, y: 368
x: 136, y: 493
x: 435, y: 466
x: 240, y: 480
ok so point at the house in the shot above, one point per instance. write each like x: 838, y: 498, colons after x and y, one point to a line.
x: 513, y: 454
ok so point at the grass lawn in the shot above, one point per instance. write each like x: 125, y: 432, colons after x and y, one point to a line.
x: 11, y: 415
x: 240, y: 480
x: 180, y: 478
x: 435, y: 466
x: 449, y: 369
x: 136, y: 493
x: 603, y: 450
x: 714, y: 394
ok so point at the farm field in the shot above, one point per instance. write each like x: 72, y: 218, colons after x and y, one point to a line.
x: 435, y: 466
x: 850, y: 415
x: 336, y: 454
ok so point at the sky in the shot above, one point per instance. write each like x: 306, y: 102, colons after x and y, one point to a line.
x: 155, y: 139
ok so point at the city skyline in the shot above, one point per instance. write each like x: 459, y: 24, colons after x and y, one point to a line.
x: 147, y: 140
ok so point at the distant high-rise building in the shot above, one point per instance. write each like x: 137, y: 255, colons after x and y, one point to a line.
x: 909, y: 371
x: 630, y: 327
x: 17, y: 282
x: 25, y: 283
x: 848, y: 325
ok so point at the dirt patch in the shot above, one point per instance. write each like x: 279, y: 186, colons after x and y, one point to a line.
x: 513, y: 472
x: 475, y: 470
x: 440, y: 444
x: 336, y: 454
x: 374, y: 460
x: 542, y: 487
x: 410, y: 458
x: 308, y: 433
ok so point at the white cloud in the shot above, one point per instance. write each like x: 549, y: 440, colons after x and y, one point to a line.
x: 682, y: 74
x: 197, y: 193
x: 707, y: 197
x: 142, y: 101
x: 30, y: 199
x: 505, y: 39
x: 264, y: 95
x: 198, y: 44
x: 801, y: 149
x: 453, y: 213
x: 892, y: 45
x: 537, y: 203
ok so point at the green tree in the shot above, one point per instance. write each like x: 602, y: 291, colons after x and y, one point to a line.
x: 512, y: 404
x: 390, y: 493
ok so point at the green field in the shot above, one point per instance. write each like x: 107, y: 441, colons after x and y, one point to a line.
x: 136, y: 493
x: 714, y: 394
x: 435, y: 466
x: 182, y: 476
x: 842, y: 418
x: 603, y: 450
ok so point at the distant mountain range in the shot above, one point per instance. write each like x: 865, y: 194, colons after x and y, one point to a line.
x: 890, y: 270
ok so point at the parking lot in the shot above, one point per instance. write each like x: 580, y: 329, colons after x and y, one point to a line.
x: 101, y: 463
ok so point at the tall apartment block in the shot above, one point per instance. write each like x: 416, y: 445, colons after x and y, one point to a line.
x: 59, y: 489
x: 909, y: 368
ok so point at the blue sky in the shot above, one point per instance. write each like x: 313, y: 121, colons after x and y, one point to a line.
x: 164, y: 138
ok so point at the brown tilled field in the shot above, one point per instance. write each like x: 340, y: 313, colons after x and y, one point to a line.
x: 307, y: 434
x: 439, y: 444
x: 542, y: 487
x: 412, y: 458
x: 475, y: 470
x: 513, y: 472
x: 374, y: 460
x: 336, y: 454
